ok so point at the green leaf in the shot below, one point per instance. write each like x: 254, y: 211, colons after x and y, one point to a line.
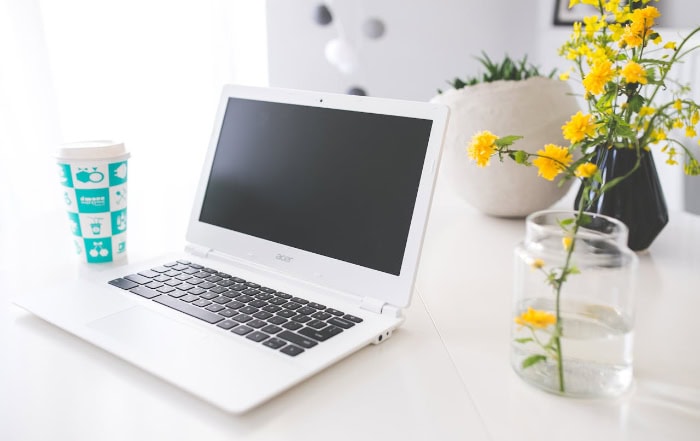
x: 505, y: 141
x: 533, y: 359
x: 524, y: 340
x: 520, y: 157
x: 635, y: 103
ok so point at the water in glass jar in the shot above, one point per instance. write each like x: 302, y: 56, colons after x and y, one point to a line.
x: 596, y: 350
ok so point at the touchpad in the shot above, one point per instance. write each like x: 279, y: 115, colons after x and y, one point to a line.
x: 142, y: 328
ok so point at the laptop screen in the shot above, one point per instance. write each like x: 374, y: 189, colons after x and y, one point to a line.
x: 338, y: 183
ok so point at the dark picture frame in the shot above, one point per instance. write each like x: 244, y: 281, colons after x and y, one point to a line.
x: 563, y: 16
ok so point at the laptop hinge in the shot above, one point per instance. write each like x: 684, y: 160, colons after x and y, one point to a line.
x: 198, y: 251
x: 379, y: 307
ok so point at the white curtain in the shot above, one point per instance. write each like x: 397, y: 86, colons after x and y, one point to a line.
x: 144, y: 72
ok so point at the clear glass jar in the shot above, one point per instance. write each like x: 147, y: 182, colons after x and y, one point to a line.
x: 573, y: 309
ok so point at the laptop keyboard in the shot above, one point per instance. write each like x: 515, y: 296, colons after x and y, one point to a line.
x: 277, y: 320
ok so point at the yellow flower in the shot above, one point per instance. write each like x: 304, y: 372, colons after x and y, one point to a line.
x: 536, y: 318
x: 552, y: 160
x: 670, y: 45
x: 690, y: 132
x: 634, y: 73
x: 578, y: 127
x: 586, y: 170
x: 678, y: 104
x: 695, y: 118
x: 601, y: 72
x: 646, y: 111
x: 482, y: 147
x: 566, y: 242
x: 678, y: 124
x: 537, y: 264
x: 564, y: 75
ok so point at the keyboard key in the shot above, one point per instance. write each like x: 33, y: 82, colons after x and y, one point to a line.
x: 257, y: 303
x: 173, y: 282
x: 177, y: 293
x: 148, y: 273
x: 214, y: 307
x: 242, y: 318
x: 170, y: 264
x: 221, y: 300
x: 317, y: 305
x: 189, y: 298
x: 238, y: 287
x: 257, y: 336
x: 206, y: 285
x: 188, y: 309
x: 199, y: 291
x: 299, y: 300
x: 248, y: 310
x: 267, y: 290
x: 165, y: 289
x: 213, y: 279
x: 145, y: 292
x: 337, y: 321
x: 184, y: 277
x: 238, y: 280
x: 218, y: 289
x: 292, y: 326
x: 234, y: 304
x: 262, y: 315
x: 195, y: 281
x: 250, y: 292
x: 277, y: 320
x: 284, y: 295
x: 183, y: 261
x: 123, y: 283
x: 286, y: 313
x: 223, y: 275
x: 190, y: 271
x: 141, y: 280
x: 274, y: 343
x: 320, y: 334
x: 334, y: 312
x: 227, y: 324
x: 160, y: 269
x: 272, y: 308
x: 228, y: 313
x: 321, y: 315
x: 306, y: 310
x: 277, y: 301
x: 352, y: 318
x: 271, y: 329
x: 301, y: 318
x: 242, y: 330
x: 256, y: 323
x: 316, y: 324
x: 196, y: 266
x: 172, y: 273
x: 291, y: 350
x: 226, y: 283
x: 209, y: 270
x: 161, y: 278
x: 153, y: 284
x: 297, y: 339
x: 244, y: 298
x: 291, y: 305
x: 201, y: 303
x: 252, y: 285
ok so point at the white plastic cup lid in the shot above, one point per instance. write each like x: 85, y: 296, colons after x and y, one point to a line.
x: 91, y: 150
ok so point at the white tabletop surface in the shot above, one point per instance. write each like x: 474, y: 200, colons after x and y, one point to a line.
x: 444, y: 375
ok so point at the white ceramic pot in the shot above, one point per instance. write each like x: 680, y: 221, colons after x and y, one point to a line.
x: 535, y: 108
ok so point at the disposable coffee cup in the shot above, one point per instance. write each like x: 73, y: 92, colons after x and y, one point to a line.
x: 93, y: 177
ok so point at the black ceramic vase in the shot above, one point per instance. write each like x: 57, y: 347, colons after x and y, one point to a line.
x: 638, y: 201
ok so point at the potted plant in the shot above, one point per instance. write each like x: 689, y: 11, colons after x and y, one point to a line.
x: 509, y: 97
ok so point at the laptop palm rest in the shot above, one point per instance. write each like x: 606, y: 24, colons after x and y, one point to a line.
x: 143, y: 329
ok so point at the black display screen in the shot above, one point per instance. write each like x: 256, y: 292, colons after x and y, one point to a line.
x: 337, y: 183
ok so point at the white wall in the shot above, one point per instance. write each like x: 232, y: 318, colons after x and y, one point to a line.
x: 426, y: 42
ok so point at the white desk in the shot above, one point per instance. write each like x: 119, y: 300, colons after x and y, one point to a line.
x: 444, y: 375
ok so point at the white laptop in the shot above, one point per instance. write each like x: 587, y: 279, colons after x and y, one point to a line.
x: 303, y: 244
